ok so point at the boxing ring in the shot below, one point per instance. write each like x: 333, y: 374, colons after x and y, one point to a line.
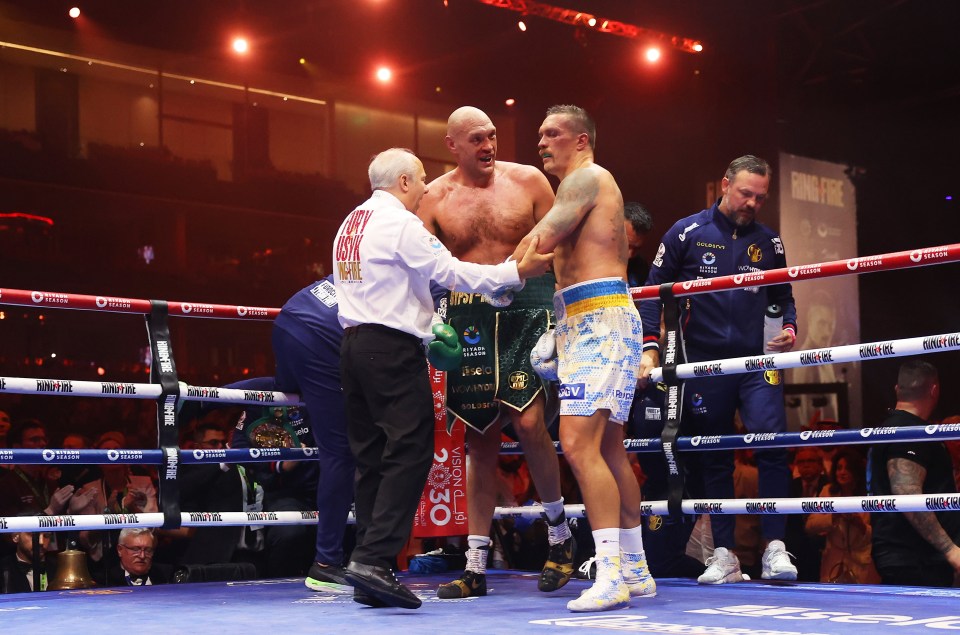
x: 681, y: 606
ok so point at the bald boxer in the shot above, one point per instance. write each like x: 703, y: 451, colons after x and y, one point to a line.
x: 598, y: 341
x: 480, y: 210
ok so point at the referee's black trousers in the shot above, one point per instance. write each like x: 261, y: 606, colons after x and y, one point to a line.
x: 390, y: 423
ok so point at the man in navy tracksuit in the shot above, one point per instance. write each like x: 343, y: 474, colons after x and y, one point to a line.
x: 723, y: 240
x: 306, y: 344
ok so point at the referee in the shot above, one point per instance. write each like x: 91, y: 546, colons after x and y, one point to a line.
x: 383, y: 262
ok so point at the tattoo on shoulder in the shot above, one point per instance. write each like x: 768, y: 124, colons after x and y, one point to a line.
x: 580, y: 188
x: 906, y: 477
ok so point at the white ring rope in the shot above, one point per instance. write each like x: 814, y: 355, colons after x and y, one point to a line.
x: 83, y: 522
x: 816, y: 357
x: 752, y: 507
x: 127, y: 390
x: 759, y: 506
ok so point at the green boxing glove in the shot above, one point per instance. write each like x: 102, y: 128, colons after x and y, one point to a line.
x: 445, y: 352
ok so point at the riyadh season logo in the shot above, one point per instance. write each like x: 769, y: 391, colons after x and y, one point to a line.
x: 471, y: 335
x: 309, y: 451
x: 254, y: 453
x: 112, y: 455
x: 251, y: 311
x: 48, y: 455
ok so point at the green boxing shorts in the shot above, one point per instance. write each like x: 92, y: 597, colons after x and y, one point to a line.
x: 496, y: 352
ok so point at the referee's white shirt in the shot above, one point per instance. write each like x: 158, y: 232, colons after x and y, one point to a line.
x: 384, y: 260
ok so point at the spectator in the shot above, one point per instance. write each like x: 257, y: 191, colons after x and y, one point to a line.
x: 4, y: 428
x: 16, y: 569
x: 121, y: 489
x: 846, y: 554
x: 134, y: 565
x: 524, y: 541
x: 206, y: 488
x: 287, y: 485
x: 954, y: 449
x: 637, y: 223
x: 827, y: 451
x: 75, y: 441
x: 748, y: 541
x: 113, y: 489
x: 665, y: 537
x: 916, y: 548
x: 30, y: 488
x: 808, y: 464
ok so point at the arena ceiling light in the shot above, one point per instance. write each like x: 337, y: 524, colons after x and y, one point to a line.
x: 240, y: 45
x: 602, y: 25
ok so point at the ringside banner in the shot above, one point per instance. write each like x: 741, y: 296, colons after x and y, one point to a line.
x: 443, y: 506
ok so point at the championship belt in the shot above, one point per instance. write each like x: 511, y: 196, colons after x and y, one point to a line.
x: 470, y: 394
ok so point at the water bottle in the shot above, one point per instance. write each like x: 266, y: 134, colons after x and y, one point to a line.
x: 772, y: 324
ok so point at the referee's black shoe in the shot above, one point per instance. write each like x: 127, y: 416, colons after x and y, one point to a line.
x: 367, y: 600
x: 380, y: 583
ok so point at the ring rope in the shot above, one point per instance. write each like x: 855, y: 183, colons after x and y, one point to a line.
x: 807, y: 438
x: 96, y: 522
x: 109, y: 304
x: 128, y: 390
x: 864, y: 264
x: 32, y: 456
x: 816, y: 357
x: 751, y: 507
x: 760, y: 506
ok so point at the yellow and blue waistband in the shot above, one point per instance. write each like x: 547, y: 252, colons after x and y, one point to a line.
x: 589, y: 296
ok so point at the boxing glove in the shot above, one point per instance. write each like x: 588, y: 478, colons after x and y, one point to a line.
x: 543, y: 357
x: 445, y: 351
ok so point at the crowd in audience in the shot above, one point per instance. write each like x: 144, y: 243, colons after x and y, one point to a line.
x: 833, y: 548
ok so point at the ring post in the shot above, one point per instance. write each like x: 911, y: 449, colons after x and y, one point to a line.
x: 672, y: 357
x: 163, y: 371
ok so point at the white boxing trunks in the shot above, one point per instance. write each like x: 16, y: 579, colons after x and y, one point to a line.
x: 599, y: 344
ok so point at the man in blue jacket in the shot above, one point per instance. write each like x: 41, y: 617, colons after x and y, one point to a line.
x: 723, y: 240
x: 306, y: 343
